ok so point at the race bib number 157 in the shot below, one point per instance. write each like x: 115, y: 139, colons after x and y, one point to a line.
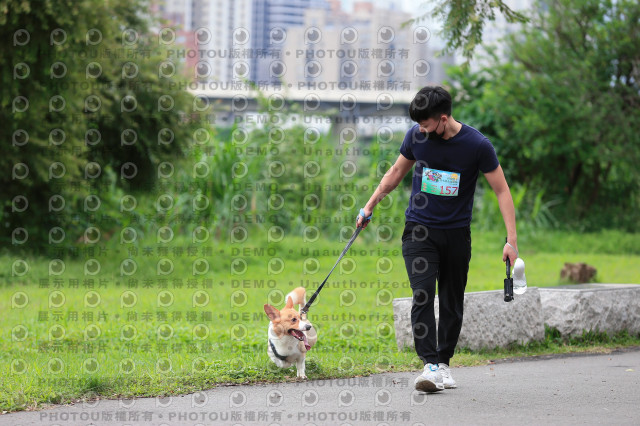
x: 439, y: 182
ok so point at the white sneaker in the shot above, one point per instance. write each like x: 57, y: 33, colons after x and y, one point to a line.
x: 447, y: 380
x: 430, y: 380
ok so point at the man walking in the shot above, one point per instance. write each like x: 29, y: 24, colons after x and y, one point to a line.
x: 436, y: 243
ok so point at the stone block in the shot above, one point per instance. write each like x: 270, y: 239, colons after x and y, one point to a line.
x: 576, y: 308
x: 488, y: 322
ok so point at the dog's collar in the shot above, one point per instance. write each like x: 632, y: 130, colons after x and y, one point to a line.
x: 273, y: 348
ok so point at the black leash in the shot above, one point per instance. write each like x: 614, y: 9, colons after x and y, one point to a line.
x: 305, y: 309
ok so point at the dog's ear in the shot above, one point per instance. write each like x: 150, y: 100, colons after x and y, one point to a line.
x: 272, y: 312
x: 289, y: 304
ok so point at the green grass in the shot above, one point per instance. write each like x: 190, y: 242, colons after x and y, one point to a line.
x: 85, y: 347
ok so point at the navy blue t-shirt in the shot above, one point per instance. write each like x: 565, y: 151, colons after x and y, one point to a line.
x: 445, y: 175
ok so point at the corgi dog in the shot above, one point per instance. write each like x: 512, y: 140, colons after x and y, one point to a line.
x: 289, y: 335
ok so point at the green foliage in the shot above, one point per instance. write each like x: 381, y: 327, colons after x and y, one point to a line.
x: 83, y: 100
x: 284, y: 180
x: 559, y: 111
x: 587, y: 338
x: 555, y: 115
x: 464, y: 21
x: 532, y: 213
x: 555, y: 343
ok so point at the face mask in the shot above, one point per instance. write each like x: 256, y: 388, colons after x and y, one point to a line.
x: 435, y: 134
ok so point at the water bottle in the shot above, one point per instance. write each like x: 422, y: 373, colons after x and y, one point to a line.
x: 519, y: 279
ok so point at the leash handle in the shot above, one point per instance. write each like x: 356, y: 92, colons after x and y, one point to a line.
x: 508, y: 261
x: 306, y: 307
x: 508, y: 282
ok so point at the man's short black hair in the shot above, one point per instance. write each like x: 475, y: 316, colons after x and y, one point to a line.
x: 430, y: 102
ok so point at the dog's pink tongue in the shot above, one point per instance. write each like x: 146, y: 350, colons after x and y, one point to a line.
x: 307, y: 346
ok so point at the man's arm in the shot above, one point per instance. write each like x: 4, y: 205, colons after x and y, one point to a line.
x: 388, y: 183
x: 501, y: 188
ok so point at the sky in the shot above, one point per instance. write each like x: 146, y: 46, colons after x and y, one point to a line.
x: 406, y: 5
x: 413, y: 7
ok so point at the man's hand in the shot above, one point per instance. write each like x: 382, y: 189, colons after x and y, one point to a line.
x: 364, y: 217
x: 510, y: 251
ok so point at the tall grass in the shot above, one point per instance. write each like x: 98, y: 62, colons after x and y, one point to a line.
x: 289, y: 180
x: 533, y: 212
x: 278, y: 179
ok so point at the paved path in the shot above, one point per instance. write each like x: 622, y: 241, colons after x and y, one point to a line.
x: 594, y: 389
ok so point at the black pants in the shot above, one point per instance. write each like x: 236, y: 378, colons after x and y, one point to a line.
x: 432, y: 254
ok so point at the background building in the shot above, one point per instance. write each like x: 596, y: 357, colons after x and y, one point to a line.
x: 368, y: 49
x: 302, y: 42
x: 271, y: 25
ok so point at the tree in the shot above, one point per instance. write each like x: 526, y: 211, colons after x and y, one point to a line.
x: 85, y: 109
x: 464, y: 21
x: 563, y: 108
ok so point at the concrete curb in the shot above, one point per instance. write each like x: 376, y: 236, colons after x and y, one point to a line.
x: 490, y: 322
